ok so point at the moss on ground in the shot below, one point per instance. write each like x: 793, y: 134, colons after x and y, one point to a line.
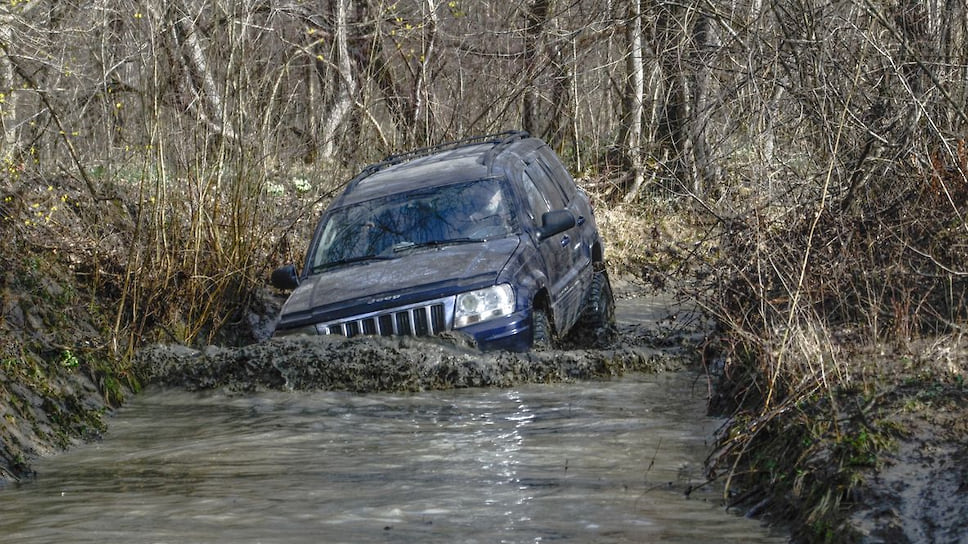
x: 57, y: 374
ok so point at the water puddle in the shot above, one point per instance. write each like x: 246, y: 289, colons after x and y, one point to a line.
x: 601, y: 461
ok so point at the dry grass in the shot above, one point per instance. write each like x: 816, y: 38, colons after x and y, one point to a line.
x: 823, y: 312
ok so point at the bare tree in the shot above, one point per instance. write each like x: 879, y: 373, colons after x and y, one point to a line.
x: 339, y: 104
x: 8, y: 96
x: 14, y: 27
x: 192, y: 74
x: 537, y: 18
x: 633, y: 99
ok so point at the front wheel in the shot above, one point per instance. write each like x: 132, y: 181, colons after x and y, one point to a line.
x: 541, y: 327
x: 596, y: 326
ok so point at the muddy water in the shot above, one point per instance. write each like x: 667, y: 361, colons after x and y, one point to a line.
x: 616, y: 460
x: 589, y: 462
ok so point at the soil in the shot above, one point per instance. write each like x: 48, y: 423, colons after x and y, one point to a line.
x: 918, y: 492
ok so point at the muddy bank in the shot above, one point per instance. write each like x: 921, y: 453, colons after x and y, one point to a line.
x: 57, y: 376
x: 918, y: 490
x: 886, y: 463
x: 43, y: 418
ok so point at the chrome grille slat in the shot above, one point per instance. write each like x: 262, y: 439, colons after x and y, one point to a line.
x: 423, y: 319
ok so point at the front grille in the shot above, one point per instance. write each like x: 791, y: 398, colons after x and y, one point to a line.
x: 424, y: 319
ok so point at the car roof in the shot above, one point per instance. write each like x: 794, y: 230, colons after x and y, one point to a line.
x: 462, y: 160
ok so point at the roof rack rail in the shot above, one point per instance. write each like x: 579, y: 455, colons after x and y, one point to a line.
x: 500, y: 138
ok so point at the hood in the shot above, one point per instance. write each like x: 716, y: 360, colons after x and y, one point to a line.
x: 422, y: 273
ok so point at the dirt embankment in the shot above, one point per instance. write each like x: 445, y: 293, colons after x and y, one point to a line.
x: 57, y: 378
x: 917, y: 491
x: 882, y: 463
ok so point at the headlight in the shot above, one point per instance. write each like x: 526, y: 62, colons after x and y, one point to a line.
x: 483, y: 304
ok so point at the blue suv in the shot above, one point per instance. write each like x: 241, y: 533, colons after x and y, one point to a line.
x: 487, y: 238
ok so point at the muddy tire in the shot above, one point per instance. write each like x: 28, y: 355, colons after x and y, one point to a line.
x: 596, y: 326
x: 541, y: 327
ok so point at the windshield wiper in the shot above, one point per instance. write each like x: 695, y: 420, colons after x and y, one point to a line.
x: 407, y: 246
x: 351, y: 260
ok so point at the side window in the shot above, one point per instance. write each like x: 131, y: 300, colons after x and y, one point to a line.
x: 547, y: 187
x: 537, y: 204
x: 552, y: 165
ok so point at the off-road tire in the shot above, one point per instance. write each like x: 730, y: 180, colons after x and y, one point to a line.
x: 596, y: 325
x: 541, y: 327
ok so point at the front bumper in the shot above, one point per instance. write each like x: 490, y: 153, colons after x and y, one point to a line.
x: 509, y: 333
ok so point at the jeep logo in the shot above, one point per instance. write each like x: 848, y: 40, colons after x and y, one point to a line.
x: 383, y: 299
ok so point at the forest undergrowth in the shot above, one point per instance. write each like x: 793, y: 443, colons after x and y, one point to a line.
x: 842, y: 333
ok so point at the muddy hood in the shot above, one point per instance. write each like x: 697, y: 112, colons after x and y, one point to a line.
x: 431, y: 270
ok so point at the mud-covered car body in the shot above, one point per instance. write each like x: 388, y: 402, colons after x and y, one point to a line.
x: 483, y: 236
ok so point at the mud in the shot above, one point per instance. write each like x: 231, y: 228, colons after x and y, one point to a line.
x: 919, y: 493
x: 368, y: 364
x: 654, y: 332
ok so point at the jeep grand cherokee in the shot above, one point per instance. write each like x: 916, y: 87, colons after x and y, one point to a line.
x: 487, y: 237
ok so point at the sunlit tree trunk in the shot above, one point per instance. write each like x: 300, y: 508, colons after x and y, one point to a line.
x: 422, y: 122
x: 634, y: 99
x: 8, y: 96
x: 340, y: 103
x: 9, y: 88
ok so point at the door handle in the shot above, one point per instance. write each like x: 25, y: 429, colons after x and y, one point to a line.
x: 565, y: 240
x: 581, y: 220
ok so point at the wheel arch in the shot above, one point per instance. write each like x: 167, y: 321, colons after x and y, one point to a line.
x: 598, y: 255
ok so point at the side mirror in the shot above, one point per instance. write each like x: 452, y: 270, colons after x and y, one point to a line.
x: 285, y: 277
x: 555, y: 222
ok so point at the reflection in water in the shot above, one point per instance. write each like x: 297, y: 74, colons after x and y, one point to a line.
x: 587, y: 462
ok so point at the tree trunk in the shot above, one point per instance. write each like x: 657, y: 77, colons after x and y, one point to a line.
x: 703, y: 170
x: 536, y: 20
x: 634, y: 99
x: 421, y: 94
x: 8, y: 96
x: 341, y: 102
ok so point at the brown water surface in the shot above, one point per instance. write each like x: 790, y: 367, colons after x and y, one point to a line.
x: 604, y: 461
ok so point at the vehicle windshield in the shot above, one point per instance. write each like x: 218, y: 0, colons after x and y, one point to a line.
x: 382, y: 227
